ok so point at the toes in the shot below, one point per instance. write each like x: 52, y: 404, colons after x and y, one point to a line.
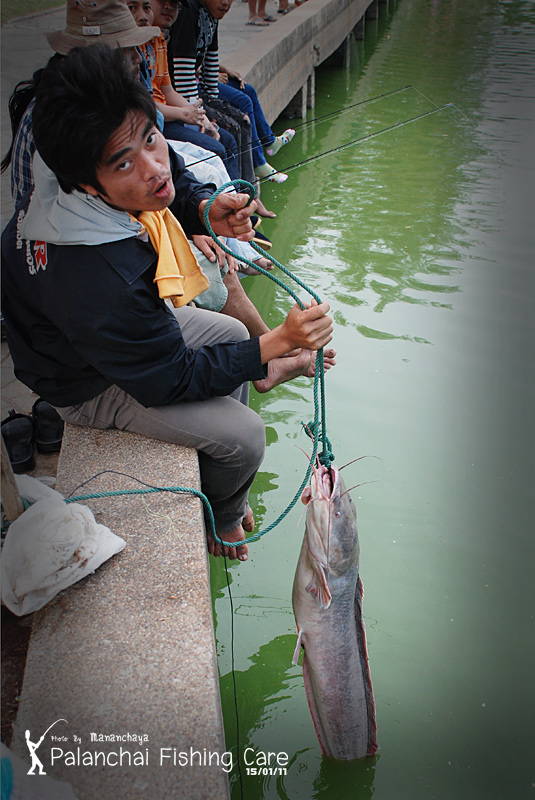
x: 243, y: 552
x: 232, y: 552
x: 248, y: 521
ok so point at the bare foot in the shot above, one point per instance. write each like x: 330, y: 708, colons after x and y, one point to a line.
x: 248, y: 521
x: 237, y: 535
x: 262, y: 211
x: 263, y: 263
x: 286, y: 368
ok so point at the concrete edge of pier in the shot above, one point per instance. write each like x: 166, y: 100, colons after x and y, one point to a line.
x: 130, y: 649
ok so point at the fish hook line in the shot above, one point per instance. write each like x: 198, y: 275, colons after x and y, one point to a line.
x: 467, y: 119
x: 308, y: 123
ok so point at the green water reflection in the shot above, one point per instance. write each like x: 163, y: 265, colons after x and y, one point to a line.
x: 422, y: 240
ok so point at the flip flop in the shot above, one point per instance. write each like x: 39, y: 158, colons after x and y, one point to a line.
x: 258, y: 24
x: 268, y: 19
x: 262, y: 241
x: 283, y: 10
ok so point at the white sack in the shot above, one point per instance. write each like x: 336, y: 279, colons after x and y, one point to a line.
x: 52, y: 545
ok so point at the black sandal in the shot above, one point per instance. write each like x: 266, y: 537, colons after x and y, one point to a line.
x: 19, y: 434
x: 48, y: 427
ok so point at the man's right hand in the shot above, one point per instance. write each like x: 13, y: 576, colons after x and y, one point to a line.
x: 309, y: 328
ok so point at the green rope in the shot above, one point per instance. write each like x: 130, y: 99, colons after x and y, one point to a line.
x: 316, y: 430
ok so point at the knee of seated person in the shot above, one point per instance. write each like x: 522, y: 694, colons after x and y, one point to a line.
x: 250, y: 91
x: 235, y: 331
x: 253, y: 439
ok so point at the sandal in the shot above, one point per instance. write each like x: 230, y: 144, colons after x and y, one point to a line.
x: 48, y: 427
x: 18, y: 433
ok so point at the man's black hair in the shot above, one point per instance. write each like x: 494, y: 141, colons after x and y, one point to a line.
x: 79, y: 103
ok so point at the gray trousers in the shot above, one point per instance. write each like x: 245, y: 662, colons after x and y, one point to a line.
x: 229, y: 436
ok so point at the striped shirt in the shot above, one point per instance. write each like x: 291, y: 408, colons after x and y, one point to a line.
x: 193, y: 51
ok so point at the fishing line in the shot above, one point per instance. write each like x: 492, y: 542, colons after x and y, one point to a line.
x: 234, y: 685
x: 344, y: 109
x: 473, y: 124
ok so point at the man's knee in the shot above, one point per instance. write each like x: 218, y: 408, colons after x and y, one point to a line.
x: 251, y: 440
x: 232, y: 329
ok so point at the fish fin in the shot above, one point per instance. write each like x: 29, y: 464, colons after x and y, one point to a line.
x: 365, y: 668
x: 295, y: 658
x: 311, y: 700
x: 306, y: 496
x: 319, y: 588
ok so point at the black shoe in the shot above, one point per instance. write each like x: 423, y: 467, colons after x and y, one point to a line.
x: 18, y: 433
x: 48, y: 427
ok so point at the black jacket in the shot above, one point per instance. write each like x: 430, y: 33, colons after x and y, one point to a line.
x: 81, y: 318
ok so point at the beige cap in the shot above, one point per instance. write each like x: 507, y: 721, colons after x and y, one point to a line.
x: 95, y: 21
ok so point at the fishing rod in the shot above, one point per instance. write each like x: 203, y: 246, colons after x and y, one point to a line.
x: 323, y: 118
x: 365, y: 138
x: 360, y: 139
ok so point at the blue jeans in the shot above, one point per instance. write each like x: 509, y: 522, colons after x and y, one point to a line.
x: 247, y: 101
x: 226, y: 148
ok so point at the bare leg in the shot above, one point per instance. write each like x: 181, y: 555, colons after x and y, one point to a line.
x: 240, y: 307
x: 254, y: 12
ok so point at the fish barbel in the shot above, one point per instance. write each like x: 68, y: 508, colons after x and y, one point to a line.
x: 327, y: 602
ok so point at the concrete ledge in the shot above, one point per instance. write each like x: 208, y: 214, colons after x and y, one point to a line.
x: 131, y: 649
x: 279, y: 63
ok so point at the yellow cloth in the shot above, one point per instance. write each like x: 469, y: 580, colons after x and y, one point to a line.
x: 178, y: 274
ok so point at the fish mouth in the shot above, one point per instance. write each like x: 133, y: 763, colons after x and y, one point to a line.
x: 329, y: 480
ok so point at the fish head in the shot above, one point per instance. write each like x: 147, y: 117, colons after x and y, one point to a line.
x: 331, y: 525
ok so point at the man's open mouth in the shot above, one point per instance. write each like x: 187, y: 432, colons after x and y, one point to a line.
x: 164, y: 189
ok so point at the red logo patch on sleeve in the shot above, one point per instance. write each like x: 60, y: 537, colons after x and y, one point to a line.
x: 41, y: 255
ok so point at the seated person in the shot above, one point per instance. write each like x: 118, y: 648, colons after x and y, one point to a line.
x: 88, y: 261
x: 193, y: 46
x: 183, y: 121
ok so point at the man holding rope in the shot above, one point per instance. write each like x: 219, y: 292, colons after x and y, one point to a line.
x: 89, y: 260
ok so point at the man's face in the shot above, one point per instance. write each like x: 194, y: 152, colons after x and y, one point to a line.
x: 217, y: 8
x: 134, y: 172
x: 165, y: 12
x: 132, y: 59
x: 142, y: 12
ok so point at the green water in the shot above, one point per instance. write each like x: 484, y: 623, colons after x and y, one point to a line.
x: 422, y: 240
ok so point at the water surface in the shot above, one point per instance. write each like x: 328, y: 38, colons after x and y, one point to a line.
x: 422, y: 240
